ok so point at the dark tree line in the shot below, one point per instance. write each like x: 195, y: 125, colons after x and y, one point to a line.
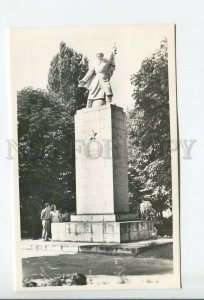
x: 46, y: 136
x: 149, y: 134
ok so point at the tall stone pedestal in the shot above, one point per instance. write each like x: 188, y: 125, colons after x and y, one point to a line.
x: 101, y: 161
x: 101, y: 181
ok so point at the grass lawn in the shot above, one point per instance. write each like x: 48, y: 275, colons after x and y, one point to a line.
x: 159, y: 251
x: 144, y: 264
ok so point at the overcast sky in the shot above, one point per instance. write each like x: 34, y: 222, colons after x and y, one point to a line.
x: 32, y: 50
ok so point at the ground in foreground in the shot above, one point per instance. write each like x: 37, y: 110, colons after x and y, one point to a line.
x: 91, y: 264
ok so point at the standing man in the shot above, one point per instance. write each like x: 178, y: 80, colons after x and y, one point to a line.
x: 45, y: 218
x: 97, y: 79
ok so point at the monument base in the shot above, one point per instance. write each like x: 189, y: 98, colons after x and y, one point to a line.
x: 111, y: 228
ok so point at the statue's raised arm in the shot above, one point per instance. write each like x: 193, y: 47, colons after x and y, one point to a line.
x: 112, y: 61
x: 97, y: 79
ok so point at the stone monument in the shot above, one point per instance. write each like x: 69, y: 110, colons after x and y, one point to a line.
x: 102, y: 202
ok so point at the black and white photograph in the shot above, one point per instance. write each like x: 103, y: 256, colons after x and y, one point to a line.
x: 96, y: 172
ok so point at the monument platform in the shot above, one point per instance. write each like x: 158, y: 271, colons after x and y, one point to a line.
x: 103, y: 229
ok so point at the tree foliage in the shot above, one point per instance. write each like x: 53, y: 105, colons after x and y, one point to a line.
x: 149, y: 133
x: 66, y: 69
x: 46, y: 154
x: 46, y: 137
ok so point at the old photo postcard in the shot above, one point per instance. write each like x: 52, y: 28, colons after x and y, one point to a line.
x: 95, y: 157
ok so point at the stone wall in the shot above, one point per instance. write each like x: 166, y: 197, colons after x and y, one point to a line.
x: 102, y: 232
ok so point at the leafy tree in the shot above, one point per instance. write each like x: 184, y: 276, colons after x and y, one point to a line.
x: 66, y: 69
x: 149, y: 133
x: 46, y: 137
x: 46, y: 154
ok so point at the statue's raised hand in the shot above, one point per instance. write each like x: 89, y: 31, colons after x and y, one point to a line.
x: 114, y: 49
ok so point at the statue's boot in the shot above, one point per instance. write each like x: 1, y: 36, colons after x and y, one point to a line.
x: 108, y: 99
x: 89, y: 103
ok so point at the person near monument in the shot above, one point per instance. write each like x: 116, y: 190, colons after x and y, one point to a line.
x: 97, y: 79
x: 54, y: 214
x: 54, y: 217
x: 45, y: 218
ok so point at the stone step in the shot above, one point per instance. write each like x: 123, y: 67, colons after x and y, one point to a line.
x: 54, y: 247
x: 119, y: 249
x: 95, y: 248
x: 104, y: 217
x: 39, y: 245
